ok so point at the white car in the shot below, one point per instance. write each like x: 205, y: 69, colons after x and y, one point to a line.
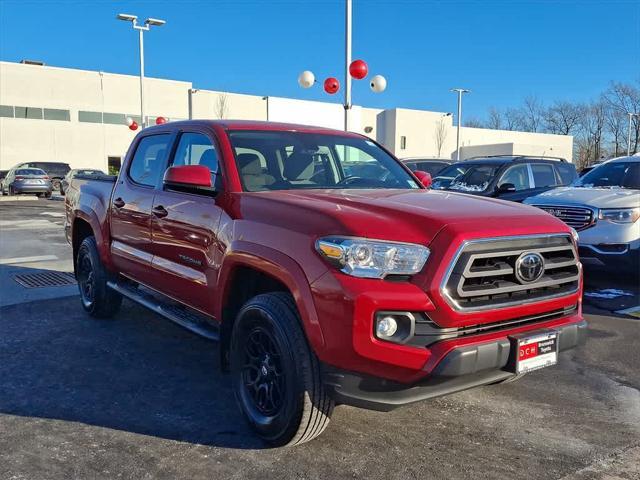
x: 603, y: 206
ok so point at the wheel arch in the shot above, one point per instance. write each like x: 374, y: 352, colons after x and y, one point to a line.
x: 250, y: 269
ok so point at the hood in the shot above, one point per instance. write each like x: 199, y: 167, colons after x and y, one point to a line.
x: 592, y: 197
x: 400, y: 215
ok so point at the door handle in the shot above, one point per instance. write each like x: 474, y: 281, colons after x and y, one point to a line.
x: 118, y: 203
x: 159, y: 211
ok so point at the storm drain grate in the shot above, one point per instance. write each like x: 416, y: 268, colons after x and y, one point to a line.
x: 45, y: 279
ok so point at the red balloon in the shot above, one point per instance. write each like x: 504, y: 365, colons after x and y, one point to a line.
x: 331, y: 85
x: 358, y: 69
x: 133, y: 126
x: 160, y: 120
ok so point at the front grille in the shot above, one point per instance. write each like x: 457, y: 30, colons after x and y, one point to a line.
x: 483, y: 274
x: 577, y: 217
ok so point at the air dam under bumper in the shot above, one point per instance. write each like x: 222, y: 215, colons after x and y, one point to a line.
x: 460, y: 369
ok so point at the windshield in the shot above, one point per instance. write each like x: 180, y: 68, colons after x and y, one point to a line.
x: 30, y: 171
x: 269, y: 160
x: 612, y: 175
x: 466, y: 178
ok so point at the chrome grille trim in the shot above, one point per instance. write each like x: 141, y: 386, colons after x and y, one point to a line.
x: 577, y: 217
x: 456, y: 294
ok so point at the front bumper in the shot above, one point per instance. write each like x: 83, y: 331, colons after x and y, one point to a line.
x: 612, y: 255
x: 462, y: 368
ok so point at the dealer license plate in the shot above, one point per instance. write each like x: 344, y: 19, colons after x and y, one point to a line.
x: 536, y: 351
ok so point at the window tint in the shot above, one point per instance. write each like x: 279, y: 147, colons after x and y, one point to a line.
x: 56, y: 114
x: 147, y: 165
x: 567, y: 172
x: 518, y: 175
x: 6, y: 111
x: 90, y: 117
x: 196, y: 149
x: 543, y: 175
x: 432, y: 168
x: 114, y: 118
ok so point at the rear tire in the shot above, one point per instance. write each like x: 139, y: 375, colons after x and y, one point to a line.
x: 96, y: 297
x: 12, y: 191
x: 276, y: 377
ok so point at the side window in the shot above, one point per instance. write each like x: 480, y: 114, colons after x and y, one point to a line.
x: 196, y: 149
x: 567, y: 172
x: 518, y: 175
x: 147, y: 165
x: 543, y: 175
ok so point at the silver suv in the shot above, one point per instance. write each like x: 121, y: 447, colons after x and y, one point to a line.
x: 603, y: 206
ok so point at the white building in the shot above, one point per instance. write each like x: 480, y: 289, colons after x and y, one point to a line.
x: 78, y: 117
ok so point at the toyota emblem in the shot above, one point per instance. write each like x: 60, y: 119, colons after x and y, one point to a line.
x: 529, y: 267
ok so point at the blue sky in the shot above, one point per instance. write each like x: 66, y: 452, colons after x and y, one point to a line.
x: 501, y: 50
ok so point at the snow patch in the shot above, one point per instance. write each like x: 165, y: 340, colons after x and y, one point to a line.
x: 608, y: 293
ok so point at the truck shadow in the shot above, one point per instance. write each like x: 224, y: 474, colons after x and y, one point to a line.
x: 136, y: 373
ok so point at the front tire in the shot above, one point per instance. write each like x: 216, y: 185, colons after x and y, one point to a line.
x: 276, y: 377
x: 97, y: 298
x: 55, y: 184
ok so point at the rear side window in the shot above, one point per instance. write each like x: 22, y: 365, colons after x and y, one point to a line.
x: 567, y: 172
x: 147, y: 165
x: 518, y: 176
x: 543, y: 175
x: 196, y: 149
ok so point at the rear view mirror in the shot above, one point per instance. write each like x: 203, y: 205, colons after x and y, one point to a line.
x: 190, y: 178
x: 424, y: 177
x: 506, y: 188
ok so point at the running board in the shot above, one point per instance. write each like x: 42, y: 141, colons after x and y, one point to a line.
x: 184, y: 316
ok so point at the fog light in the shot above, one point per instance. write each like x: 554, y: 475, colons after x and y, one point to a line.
x: 386, y: 327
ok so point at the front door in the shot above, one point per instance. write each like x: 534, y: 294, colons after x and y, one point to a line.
x: 131, y: 204
x: 184, y: 230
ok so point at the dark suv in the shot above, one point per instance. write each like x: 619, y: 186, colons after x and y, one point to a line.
x: 56, y: 171
x: 508, y: 177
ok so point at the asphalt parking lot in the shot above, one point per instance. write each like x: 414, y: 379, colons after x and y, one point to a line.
x: 137, y: 397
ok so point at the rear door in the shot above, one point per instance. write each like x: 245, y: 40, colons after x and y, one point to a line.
x: 131, y: 204
x: 544, y: 177
x: 185, y: 229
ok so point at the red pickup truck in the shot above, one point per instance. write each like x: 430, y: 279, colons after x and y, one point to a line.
x: 326, y: 270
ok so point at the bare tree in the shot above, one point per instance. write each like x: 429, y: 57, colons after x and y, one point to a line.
x: 474, y: 123
x: 562, y: 118
x: 440, y: 135
x: 495, y: 119
x: 591, y: 133
x: 616, y: 124
x: 532, y: 114
x: 513, y: 119
x: 625, y: 98
x: 221, y: 107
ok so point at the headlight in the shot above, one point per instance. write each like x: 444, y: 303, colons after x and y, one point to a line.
x: 365, y: 258
x: 619, y: 215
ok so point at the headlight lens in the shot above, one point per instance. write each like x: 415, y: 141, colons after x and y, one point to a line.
x: 619, y: 215
x: 365, y: 258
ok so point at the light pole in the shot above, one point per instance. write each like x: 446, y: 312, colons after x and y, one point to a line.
x: 347, y: 62
x: 631, y: 115
x: 459, y: 91
x: 141, y: 29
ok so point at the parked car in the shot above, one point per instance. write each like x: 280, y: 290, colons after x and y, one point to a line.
x: 3, y: 174
x: 604, y: 207
x: 55, y: 170
x: 432, y: 166
x: 506, y: 177
x: 64, y: 183
x: 323, y: 289
x: 27, y: 180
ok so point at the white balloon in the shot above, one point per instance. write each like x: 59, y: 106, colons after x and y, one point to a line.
x: 129, y: 121
x: 378, y: 84
x: 306, y: 79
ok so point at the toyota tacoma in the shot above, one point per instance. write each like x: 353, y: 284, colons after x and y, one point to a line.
x: 323, y: 284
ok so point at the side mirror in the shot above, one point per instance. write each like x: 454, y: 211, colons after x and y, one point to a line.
x: 506, y: 188
x: 189, y: 178
x: 424, y: 177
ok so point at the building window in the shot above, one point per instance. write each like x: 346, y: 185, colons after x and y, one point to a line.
x: 6, y: 111
x: 28, y: 112
x: 90, y: 117
x: 114, y: 118
x: 403, y: 143
x: 135, y: 118
x: 56, y: 114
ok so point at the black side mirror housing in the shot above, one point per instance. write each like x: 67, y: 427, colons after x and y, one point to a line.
x: 506, y: 188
